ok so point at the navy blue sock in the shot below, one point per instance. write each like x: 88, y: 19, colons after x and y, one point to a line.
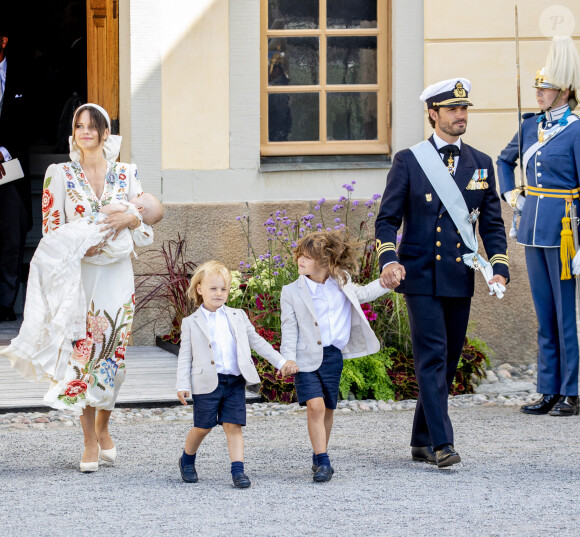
x: 237, y: 467
x: 188, y: 459
x: 323, y: 459
x: 314, y: 458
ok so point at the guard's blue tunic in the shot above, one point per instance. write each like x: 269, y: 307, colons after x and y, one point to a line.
x: 553, y: 167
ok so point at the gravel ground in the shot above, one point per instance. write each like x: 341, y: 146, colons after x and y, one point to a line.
x: 519, y: 477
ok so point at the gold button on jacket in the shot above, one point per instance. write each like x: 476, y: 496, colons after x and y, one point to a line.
x: 438, y: 257
x: 438, y: 243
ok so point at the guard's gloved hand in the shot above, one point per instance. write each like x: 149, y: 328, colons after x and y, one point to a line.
x: 515, y: 199
x: 576, y: 264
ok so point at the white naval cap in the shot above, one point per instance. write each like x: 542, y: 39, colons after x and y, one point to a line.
x: 452, y: 92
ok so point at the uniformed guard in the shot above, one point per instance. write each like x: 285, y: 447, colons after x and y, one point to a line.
x: 550, y: 153
x: 439, y: 189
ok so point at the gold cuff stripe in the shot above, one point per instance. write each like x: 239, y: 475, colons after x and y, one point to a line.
x: 499, y: 257
x: 384, y: 249
x: 501, y: 262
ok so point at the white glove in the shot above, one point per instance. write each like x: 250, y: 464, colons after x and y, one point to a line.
x: 515, y: 199
x: 496, y: 288
x: 576, y: 264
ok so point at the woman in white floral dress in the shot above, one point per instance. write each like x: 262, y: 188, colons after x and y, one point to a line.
x: 75, y: 190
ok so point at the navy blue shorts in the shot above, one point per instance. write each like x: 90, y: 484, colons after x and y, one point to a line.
x: 226, y: 404
x: 324, y: 382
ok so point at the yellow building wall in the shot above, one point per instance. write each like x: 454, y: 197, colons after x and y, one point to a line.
x: 195, y: 85
x: 475, y: 40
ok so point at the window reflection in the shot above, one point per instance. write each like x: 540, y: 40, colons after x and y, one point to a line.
x: 352, y: 116
x: 351, y: 13
x: 292, y: 14
x: 293, y: 117
x: 352, y: 60
x: 296, y: 57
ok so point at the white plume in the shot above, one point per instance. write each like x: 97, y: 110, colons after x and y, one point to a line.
x: 563, y: 64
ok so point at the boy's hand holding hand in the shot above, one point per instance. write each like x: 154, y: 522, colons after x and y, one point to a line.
x: 289, y: 368
x: 181, y: 395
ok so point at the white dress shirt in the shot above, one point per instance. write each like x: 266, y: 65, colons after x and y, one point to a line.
x: 3, y: 64
x: 333, y: 312
x: 223, y: 342
x: 439, y: 143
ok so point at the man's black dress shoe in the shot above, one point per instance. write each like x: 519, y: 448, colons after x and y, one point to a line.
x: 7, y: 313
x: 543, y: 406
x: 323, y: 473
x: 241, y: 481
x: 188, y: 473
x: 566, y: 406
x: 447, y: 456
x: 423, y: 454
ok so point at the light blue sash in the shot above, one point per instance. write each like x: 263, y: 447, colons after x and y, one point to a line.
x: 451, y: 197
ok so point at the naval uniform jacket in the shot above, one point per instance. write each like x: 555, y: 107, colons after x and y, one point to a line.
x: 555, y: 166
x: 431, y: 247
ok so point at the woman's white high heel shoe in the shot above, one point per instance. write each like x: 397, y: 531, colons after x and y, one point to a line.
x: 108, y: 455
x: 89, y: 466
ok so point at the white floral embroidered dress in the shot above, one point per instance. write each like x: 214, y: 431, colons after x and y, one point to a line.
x: 96, y: 368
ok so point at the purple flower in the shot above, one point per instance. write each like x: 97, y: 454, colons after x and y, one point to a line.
x: 293, y: 244
x: 275, y: 273
x: 321, y: 201
x: 355, y: 203
x: 241, y: 263
x: 319, y: 226
x: 337, y: 207
x: 376, y: 196
x: 248, y: 265
x: 353, y: 182
x: 317, y: 207
x: 348, y: 187
x: 279, y: 233
x: 238, y: 218
x: 269, y: 222
x: 337, y: 220
x: 278, y: 213
x: 369, y: 203
x: 341, y: 199
x: 308, y: 225
x: 328, y: 229
x: 370, y: 215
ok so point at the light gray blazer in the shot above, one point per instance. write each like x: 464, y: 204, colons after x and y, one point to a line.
x: 301, y: 339
x: 196, y: 362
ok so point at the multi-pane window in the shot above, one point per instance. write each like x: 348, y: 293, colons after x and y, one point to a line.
x: 324, y: 77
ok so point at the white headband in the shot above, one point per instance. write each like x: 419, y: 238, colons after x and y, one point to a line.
x: 112, y: 146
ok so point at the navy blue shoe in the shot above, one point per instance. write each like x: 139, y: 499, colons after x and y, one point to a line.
x: 323, y: 473
x: 188, y: 473
x: 241, y: 481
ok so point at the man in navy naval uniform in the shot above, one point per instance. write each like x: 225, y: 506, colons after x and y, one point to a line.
x: 550, y: 152
x: 429, y: 266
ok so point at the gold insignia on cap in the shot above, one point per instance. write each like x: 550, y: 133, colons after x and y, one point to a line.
x: 459, y: 91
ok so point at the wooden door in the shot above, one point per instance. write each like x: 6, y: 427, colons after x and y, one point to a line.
x: 103, y: 57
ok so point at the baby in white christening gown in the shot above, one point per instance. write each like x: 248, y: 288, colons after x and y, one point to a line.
x: 55, y: 309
